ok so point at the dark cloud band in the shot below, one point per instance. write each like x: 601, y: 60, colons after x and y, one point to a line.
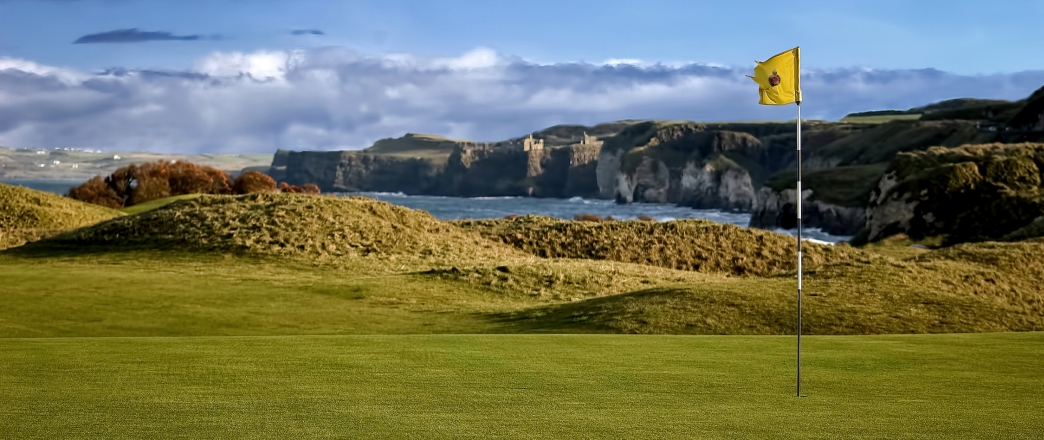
x: 333, y: 98
x: 307, y: 32
x: 132, y: 36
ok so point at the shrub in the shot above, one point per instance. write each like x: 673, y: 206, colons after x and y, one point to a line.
x: 587, y: 218
x: 288, y: 188
x: 308, y: 188
x: 96, y: 191
x: 252, y: 182
x: 646, y: 218
x: 134, y: 184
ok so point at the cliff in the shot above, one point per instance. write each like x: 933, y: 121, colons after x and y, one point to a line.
x: 430, y: 165
x: 834, y: 199
x: 971, y: 193
x: 707, y: 166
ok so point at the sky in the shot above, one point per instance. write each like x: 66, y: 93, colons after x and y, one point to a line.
x: 238, y: 76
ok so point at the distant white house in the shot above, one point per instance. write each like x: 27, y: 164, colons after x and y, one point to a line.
x: 115, y: 157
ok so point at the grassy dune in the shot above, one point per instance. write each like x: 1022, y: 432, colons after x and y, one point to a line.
x: 523, y: 386
x: 29, y: 215
x: 297, y: 264
x: 691, y: 245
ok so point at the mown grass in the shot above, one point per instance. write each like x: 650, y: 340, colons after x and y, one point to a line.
x: 158, y: 203
x: 524, y: 386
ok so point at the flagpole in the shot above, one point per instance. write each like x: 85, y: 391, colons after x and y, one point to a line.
x: 799, y: 249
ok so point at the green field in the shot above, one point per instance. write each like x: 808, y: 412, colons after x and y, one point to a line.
x: 879, y: 119
x: 274, y: 315
x: 523, y: 386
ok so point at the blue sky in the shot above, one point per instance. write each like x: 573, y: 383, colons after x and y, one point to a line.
x: 457, y: 67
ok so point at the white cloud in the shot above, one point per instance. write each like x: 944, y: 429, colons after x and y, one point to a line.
x: 334, y: 98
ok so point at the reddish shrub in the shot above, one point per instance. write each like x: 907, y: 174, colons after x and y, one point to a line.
x: 310, y: 188
x: 587, y: 218
x: 252, y: 182
x: 288, y: 188
x: 135, y: 184
x: 646, y: 218
x: 98, y: 192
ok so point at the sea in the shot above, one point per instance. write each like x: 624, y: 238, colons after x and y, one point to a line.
x: 456, y: 208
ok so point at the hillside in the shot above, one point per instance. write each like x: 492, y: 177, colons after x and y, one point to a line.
x: 971, y: 193
x: 27, y: 215
x: 421, y: 146
x: 693, y: 245
x: 285, y: 224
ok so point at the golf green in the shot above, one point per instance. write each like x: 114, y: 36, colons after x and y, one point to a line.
x: 523, y: 386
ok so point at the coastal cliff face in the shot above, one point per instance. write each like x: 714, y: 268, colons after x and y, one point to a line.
x: 336, y: 171
x: 511, y: 168
x: 697, y: 165
x: 971, y: 193
x: 774, y: 209
x: 746, y: 167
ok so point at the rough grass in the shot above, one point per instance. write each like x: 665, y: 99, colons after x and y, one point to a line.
x: 178, y: 260
x: 29, y: 215
x: 970, y: 288
x: 882, y: 142
x: 287, y: 224
x: 693, y: 245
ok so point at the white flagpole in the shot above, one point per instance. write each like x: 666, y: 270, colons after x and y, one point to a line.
x: 799, y: 249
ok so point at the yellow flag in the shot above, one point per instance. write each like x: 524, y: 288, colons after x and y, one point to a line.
x: 778, y: 78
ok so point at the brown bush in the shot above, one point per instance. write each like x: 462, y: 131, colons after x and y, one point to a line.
x: 308, y: 188
x: 646, y: 218
x: 134, y: 184
x: 98, y: 192
x: 511, y: 216
x: 587, y: 218
x: 252, y: 182
x: 288, y: 188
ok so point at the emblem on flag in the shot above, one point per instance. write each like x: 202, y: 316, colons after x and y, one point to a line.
x: 774, y: 79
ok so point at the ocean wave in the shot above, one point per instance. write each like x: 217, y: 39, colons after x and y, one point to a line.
x: 495, y: 198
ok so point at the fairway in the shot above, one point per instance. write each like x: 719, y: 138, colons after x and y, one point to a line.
x: 523, y: 386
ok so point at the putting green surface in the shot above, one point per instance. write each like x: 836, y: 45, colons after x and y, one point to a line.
x: 523, y: 386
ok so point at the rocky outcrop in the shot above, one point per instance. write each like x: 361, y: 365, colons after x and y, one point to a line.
x: 338, y: 171
x: 689, y: 164
x: 971, y: 193
x: 778, y: 210
x: 708, y: 187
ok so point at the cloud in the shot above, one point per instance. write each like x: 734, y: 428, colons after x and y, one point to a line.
x: 307, y: 32
x: 132, y: 36
x: 335, y: 98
